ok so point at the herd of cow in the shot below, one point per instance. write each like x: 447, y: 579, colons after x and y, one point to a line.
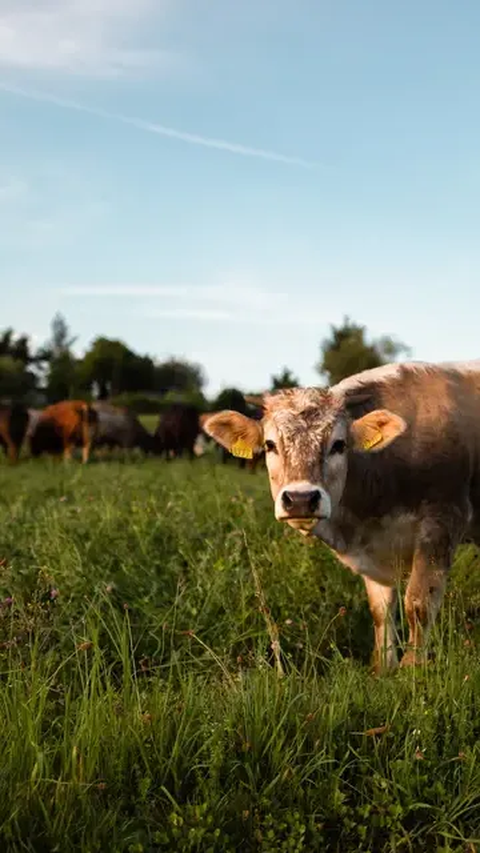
x: 61, y: 428
x: 383, y: 467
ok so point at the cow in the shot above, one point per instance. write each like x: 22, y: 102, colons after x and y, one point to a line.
x: 118, y: 427
x: 177, y: 431
x: 384, y: 467
x: 13, y: 428
x: 62, y: 426
x: 250, y: 463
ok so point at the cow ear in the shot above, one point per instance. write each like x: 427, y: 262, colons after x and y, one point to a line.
x: 240, y: 435
x: 376, y: 430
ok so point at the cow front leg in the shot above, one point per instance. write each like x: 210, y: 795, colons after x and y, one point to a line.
x: 382, y: 601
x: 426, y: 586
x: 67, y: 451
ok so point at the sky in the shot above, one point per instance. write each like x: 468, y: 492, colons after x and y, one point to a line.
x: 222, y: 181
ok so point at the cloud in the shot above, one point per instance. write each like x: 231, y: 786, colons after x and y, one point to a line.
x: 159, y: 129
x: 234, y: 293
x: 80, y: 37
x: 231, y: 302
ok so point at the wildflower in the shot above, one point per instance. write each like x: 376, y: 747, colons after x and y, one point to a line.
x: 288, y: 622
x: 54, y: 593
x: 101, y: 786
x: 419, y: 754
x: 63, y: 499
x: 462, y: 756
x: 466, y: 677
x: 125, y: 605
x: 147, y: 719
x: 84, y: 647
x: 342, y: 611
x: 109, y: 588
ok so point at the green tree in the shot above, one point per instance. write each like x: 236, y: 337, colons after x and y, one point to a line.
x: 178, y: 375
x: 16, y: 358
x: 62, y: 371
x: 347, y: 351
x: 111, y: 368
x: 285, y: 379
x: 230, y: 398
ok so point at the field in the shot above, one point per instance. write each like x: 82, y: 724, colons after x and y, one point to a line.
x: 141, y: 705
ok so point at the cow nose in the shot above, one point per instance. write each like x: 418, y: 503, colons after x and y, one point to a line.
x: 301, y: 502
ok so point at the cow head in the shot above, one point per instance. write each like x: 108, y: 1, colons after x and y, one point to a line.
x: 307, y: 435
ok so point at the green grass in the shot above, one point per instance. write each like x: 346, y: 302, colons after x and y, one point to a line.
x: 140, y: 709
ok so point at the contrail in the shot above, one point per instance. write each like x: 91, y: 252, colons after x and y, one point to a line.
x: 161, y: 130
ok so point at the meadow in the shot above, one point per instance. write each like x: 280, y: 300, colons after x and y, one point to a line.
x: 142, y: 707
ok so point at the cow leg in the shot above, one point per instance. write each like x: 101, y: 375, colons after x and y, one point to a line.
x: 11, y: 449
x: 86, y: 447
x: 432, y: 559
x: 67, y: 452
x: 382, y: 601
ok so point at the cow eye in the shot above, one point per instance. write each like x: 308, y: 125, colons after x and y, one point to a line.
x: 338, y: 446
x: 270, y: 446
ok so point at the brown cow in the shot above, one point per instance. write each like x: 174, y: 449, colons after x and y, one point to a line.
x: 13, y: 428
x: 61, y: 427
x: 383, y: 467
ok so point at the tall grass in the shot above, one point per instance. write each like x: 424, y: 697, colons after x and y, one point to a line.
x: 140, y: 703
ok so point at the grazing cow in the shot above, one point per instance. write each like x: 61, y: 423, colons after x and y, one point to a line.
x: 118, y: 427
x: 13, y: 428
x: 177, y: 431
x: 384, y: 467
x: 61, y: 427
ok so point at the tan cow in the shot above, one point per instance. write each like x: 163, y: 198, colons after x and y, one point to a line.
x: 383, y: 467
x: 61, y: 427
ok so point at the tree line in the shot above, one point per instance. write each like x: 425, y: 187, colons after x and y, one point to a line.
x: 109, y: 369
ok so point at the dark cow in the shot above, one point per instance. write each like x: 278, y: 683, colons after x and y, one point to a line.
x: 177, y: 431
x: 61, y: 427
x: 13, y: 429
x: 385, y: 468
x: 118, y: 427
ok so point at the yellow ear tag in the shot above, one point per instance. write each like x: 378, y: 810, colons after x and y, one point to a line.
x: 241, y: 449
x: 372, y: 442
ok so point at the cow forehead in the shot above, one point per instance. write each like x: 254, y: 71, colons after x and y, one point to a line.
x: 300, y: 414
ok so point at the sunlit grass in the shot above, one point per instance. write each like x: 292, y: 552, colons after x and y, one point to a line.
x: 140, y: 706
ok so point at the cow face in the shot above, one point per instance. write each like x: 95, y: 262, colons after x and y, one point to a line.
x: 307, y: 435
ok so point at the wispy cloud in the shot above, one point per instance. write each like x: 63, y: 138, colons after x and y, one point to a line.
x: 237, y: 303
x: 159, y: 129
x: 82, y: 37
x: 234, y: 293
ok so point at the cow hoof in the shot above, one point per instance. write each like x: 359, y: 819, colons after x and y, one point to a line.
x: 381, y: 665
x: 414, y: 657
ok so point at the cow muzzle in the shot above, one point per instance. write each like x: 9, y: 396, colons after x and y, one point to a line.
x: 302, y: 505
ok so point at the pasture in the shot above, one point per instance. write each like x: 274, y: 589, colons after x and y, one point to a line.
x: 140, y: 702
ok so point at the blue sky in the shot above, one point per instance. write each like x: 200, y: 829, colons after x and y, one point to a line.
x: 222, y: 180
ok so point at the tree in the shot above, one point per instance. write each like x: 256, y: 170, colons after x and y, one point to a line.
x: 178, y: 375
x: 230, y: 398
x: 285, y: 379
x: 347, y: 351
x: 62, y: 370
x: 111, y: 368
x: 16, y: 379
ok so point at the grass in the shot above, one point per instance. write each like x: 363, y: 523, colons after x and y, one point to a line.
x: 140, y: 704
